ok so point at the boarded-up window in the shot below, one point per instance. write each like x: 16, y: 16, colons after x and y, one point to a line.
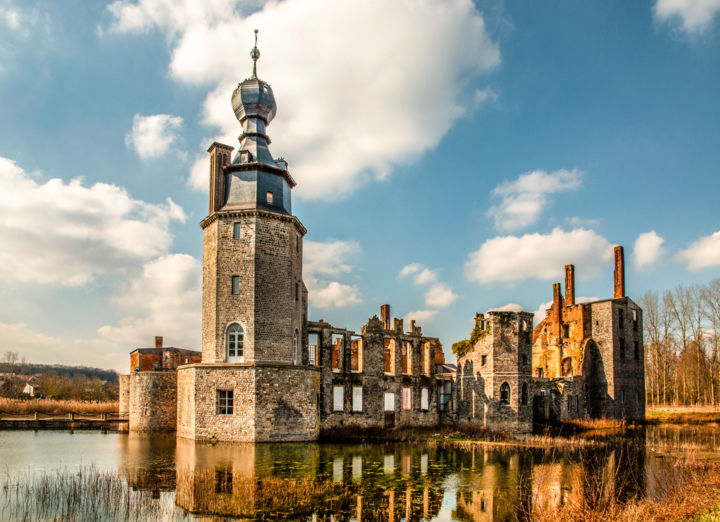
x: 389, y: 401
x: 357, y: 398
x: 424, y: 399
x: 338, y: 398
x: 407, y: 398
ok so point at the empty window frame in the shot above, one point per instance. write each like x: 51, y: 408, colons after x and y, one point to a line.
x: 338, y: 352
x: 390, y: 356
x: 407, y: 353
x: 635, y: 319
x: 637, y: 350
x: 570, y: 403
x: 622, y: 348
x: 270, y: 197
x: 357, y: 398
x: 356, y: 354
x: 313, y: 346
x: 524, y: 394
x: 296, y: 348
x: 483, y: 360
x: 621, y: 318
x: 224, y: 402
x: 235, y: 338
x: 338, y: 398
x: 505, y: 393
x: 407, y: 398
x: 424, y: 399
x: 237, y: 230
x: 566, y: 331
x: 426, y: 358
x: 235, y: 284
x: 622, y: 396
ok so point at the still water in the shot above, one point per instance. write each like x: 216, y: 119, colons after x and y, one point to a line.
x: 379, y: 481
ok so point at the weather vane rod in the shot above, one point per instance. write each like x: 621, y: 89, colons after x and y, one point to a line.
x: 255, y: 54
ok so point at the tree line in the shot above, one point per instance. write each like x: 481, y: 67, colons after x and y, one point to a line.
x: 682, y: 345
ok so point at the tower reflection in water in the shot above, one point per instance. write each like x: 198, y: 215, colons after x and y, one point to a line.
x: 378, y: 481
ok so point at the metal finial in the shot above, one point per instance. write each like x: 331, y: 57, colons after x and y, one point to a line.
x: 255, y: 54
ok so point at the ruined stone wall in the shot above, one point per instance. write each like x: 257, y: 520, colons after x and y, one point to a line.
x: 373, y: 380
x: 270, y: 402
x: 629, y: 361
x: 502, y: 356
x: 152, y: 401
x: 124, y: 394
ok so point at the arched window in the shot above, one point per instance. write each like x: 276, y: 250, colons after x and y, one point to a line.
x: 524, y: 393
x: 235, y: 351
x: 296, y: 350
x: 505, y: 393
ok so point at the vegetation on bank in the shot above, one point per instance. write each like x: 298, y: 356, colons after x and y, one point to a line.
x: 683, y: 415
x: 55, y: 407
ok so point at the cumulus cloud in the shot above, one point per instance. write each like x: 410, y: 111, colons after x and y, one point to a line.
x: 703, y: 253
x: 438, y: 294
x: 66, y: 233
x: 694, y: 17
x: 323, y: 260
x: 165, y: 299
x: 647, y: 249
x: 409, y: 65
x: 509, y: 259
x: 421, y: 317
x: 525, y: 198
x: 510, y: 307
x: 151, y: 136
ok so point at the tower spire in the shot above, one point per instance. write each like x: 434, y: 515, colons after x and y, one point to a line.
x: 255, y: 54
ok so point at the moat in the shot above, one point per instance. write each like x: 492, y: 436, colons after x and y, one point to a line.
x: 161, y: 477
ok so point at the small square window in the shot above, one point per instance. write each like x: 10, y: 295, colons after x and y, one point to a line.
x: 270, y: 197
x: 235, y: 284
x: 224, y: 402
x: 237, y: 230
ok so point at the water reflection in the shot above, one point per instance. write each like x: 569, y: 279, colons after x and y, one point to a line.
x: 388, y: 481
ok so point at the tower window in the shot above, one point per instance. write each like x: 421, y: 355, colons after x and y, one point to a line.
x: 269, y: 196
x: 297, y: 291
x: 224, y: 402
x: 621, y: 318
x: 483, y: 360
x: 236, y: 230
x: 622, y: 348
x: 637, y: 351
x: 235, y: 284
x: 235, y: 338
x: 524, y: 396
x: 505, y: 393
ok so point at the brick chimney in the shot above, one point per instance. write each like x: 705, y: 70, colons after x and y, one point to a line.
x: 219, y: 158
x: 557, y: 310
x: 385, y: 316
x: 158, y: 341
x: 619, y: 272
x: 569, y: 285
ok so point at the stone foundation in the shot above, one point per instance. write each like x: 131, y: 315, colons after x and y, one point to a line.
x: 152, y: 401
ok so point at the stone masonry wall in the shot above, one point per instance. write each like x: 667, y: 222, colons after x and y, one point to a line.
x: 270, y: 402
x: 152, y: 401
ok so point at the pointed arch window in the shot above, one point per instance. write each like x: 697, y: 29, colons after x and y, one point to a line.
x: 505, y: 393
x: 235, y: 337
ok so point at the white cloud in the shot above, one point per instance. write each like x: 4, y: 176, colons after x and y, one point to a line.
x: 703, y: 253
x: 525, y: 198
x: 199, y: 174
x: 330, y: 259
x: 510, y: 307
x: 438, y: 294
x: 647, y: 249
x: 164, y: 300
x: 509, y: 259
x: 66, y: 233
x: 421, y: 317
x: 10, y: 17
x: 694, y: 16
x: 408, y: 65
x: 485, y: 95
x: 151, y: 136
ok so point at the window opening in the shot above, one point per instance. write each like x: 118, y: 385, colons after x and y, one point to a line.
x: 407, y: 398
x: 637, y: 351
x: 407, y: 349
x: 338, y: 345
x: 338, y: 398
x: 505, y: 393
x: 235, y: 284
x: 357, y: 396
x: 356, y: 354
x: 390, y: 356
x: 389, y: 401
x: 269, y: 196
x: 424, y: 399
x: 524, y: 393
x: 237, y: 230
x: 235, y: 338
x: 622, y: 348
x: 224, y: 402
x: 313, y: 344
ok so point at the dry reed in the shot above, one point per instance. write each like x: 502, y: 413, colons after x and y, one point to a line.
x: 54, y: 407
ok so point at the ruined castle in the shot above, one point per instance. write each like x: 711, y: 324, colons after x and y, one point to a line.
x: 267, y: 373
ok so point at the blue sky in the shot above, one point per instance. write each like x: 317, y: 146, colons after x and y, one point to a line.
x: 451, y: 157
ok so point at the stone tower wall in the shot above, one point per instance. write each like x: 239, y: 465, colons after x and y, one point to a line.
x: 153, y: 401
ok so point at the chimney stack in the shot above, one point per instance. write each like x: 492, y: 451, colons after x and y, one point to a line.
x: 557, y: 309
x: 619, y: 272
x: 569, y: 285
x: 385, y: 316
x: 158, y: 341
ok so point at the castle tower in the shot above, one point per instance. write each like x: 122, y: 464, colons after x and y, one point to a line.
x: 252, y: 384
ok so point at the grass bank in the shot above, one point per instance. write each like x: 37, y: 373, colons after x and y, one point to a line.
x: 683, y: 415
x: 54, y: 407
